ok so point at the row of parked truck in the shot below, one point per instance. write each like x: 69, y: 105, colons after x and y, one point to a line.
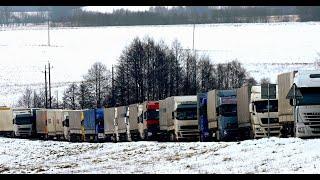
x: 217, y: 115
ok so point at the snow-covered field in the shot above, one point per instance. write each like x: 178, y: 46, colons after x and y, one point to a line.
x: 262, y: 47
x: 272, y: 155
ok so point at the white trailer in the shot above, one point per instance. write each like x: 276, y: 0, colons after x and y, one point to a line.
x: 6, y: 121
x: 135, y: 114
x: 54, y: 123
x: 110, y: 124
x: 73, y: 120
x: 121, y: 123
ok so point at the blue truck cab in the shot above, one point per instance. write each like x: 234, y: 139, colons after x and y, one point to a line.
x: 99, y: 124
x: 227, y: 115
x: 203, y: 117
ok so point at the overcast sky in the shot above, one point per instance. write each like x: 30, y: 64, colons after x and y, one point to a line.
x: 109, y: 9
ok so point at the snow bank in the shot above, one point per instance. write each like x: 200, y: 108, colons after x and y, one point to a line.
x: 272, y: 155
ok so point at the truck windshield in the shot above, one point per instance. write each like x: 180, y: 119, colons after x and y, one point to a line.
x: 311, y: 96
x: 262, y: 106
x: 228, y: 110
x: 152, y: 115
x: 187, y: 113
x: 23, y: 120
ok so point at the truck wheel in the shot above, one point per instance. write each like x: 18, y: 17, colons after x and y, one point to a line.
x: 145, y: 135
x: 173, y: 137
x: 217, y: 136
x: 114, y: 138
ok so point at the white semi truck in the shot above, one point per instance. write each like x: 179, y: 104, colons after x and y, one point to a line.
x: 180, y: 119
x: 24, y: 122
x: 299, y: 103
x: 253, y: 116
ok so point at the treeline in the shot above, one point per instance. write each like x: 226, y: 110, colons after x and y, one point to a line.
x: 159, y: 15
x: 146, y: 70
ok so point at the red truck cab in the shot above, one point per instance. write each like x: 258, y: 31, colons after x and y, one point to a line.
x: 151, y: 116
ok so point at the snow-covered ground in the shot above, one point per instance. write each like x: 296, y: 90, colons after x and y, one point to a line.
x: 272, y: 155
x: 263, y: 47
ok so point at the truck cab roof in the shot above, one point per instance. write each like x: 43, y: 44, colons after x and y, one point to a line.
x: 307, y: 78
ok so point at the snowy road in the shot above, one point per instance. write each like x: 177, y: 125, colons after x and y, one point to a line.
x: 272, y: 155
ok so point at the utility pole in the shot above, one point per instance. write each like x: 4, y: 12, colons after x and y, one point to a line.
x: 45, y: 85
x: 50, y: 99
x: 57, y: 99
x: 194, y: 26
x: 112, y: 86
x: 48, y: 30
x: 268, y: 110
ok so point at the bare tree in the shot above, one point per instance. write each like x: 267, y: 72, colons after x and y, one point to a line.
x: 26, y: 99
x: 98, y: 81
x: 265, y: 80
x: 70, y: 97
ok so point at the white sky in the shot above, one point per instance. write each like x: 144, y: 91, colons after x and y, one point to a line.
x: 109, y: 9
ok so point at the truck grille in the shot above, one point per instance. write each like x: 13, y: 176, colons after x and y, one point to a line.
x: 188, y: 127
x: 312, y: 116
x: 277, y: 129
x: 272, y: 120
x: 24, y: 129
x: 315, y: 129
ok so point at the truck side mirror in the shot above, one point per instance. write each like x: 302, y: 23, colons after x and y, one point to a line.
x: 145, y: 115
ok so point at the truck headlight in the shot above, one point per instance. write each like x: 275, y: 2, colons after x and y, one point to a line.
x: 301, y: 130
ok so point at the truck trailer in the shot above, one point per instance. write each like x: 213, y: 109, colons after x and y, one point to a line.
x: 72, y: 124
x: 252, y: 112
x: 41, y: 124
x: 54, y: 124
x: 299, y: 103
x: 121, y: 123
x: 222, y: 115
x: 163, y: 122
x: 110, y: 124
x: 135, y: 114
x: 89, y: 125
x: 181, y: 118
x: 49, y: 123
x: 6, y: 122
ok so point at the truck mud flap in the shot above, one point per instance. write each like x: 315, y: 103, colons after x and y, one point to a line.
x: 287, y: 130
